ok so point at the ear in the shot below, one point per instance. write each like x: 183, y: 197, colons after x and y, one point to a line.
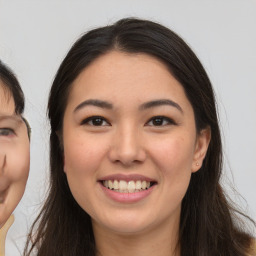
x: 201, y: 147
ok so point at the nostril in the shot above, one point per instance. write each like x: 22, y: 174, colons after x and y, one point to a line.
x: 127, y: 158
x: 127, y: 149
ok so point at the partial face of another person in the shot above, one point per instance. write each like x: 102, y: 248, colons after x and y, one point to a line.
x: 14, y: 156
x: 130, y: 143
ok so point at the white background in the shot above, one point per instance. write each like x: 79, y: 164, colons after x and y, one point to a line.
x: 35, y: 35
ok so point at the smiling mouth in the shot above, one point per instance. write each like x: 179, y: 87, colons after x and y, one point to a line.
x: 131, y: 186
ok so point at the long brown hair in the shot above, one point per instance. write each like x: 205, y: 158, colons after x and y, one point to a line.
x: 208, y: 223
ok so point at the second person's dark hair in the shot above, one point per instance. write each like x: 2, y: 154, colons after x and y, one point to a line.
x: 12, y: 86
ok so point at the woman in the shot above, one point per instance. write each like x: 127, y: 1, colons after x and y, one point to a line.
x: 136, y: 152
x: 14, y: 149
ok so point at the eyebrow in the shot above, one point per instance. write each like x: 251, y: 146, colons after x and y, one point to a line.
x: 10, y: 117
x: 94, y: 102
x: 146, y: 105
x: 160, y: 102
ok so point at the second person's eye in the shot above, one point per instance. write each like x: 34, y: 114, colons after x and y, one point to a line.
x: 95, y: 121
x: 160, y: 121
x: 6, y: 131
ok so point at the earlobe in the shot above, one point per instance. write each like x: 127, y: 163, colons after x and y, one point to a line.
x: 201, y: 147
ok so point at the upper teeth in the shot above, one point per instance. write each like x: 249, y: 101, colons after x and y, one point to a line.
x: 126, y: 187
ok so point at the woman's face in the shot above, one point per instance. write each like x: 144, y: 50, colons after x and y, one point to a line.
x: 130, y: 143
x: 14, y: 156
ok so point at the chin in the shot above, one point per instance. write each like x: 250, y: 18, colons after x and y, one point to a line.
x: 124, y: 223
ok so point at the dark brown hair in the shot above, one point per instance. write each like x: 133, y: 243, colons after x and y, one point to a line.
x: 208, y: 223
x: 12, y: 87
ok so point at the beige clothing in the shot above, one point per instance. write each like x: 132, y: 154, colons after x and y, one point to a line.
x: 3, y: 232
x: 253, y: 252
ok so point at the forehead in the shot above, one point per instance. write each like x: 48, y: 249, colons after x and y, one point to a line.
x: 122, y: 73
x: 7, y: 105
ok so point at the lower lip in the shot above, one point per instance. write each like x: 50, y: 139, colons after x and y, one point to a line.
x: 127, y: 197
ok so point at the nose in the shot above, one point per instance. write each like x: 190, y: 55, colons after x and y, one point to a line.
x: 127, y: 147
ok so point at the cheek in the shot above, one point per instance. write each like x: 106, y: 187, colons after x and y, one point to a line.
x: 173, y: 159
x: 173, y: 154
x: 82, y: 155
x: 17, y: 163
x: 15, y: 176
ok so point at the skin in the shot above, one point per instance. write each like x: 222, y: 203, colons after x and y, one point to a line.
x: 126, y: 142
x: 14, y: 156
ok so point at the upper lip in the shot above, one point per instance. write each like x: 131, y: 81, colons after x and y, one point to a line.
x: 127, y: 177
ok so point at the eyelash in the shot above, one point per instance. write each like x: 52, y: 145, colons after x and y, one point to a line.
x: 91, y: 119
x: 6, y: 132
x: 164, y: 121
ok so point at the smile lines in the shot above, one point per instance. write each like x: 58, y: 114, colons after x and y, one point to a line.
x: 3, y: 165
x: 2, y: 196
x: 123, y: 186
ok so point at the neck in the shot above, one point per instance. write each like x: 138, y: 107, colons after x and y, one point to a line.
x: 3, y: 232
x: 161, y: 241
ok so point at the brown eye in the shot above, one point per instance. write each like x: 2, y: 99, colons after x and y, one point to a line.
x: 160, y: 121
x: 95, y: 121
x: 6, y: 132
